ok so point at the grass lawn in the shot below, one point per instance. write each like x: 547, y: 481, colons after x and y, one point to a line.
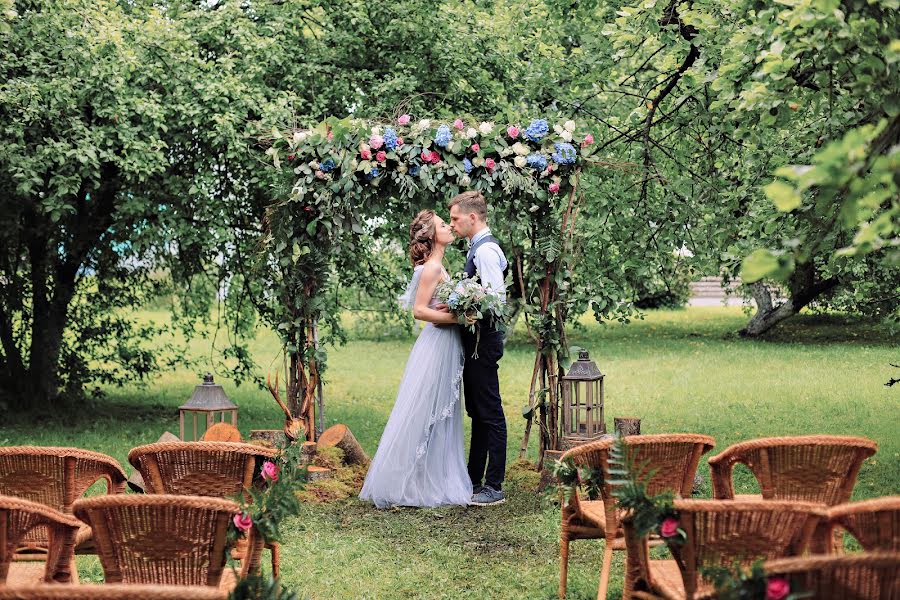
x: 680, y: 371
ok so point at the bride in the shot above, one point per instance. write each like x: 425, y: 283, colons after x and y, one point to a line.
x: 419, y: 461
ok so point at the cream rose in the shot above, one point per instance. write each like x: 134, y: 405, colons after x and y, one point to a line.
x: 485, y: 127
x: 520, y: 161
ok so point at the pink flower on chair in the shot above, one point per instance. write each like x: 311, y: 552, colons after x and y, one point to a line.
x: 554, y: 189
x: 376, y: 142
x: 243, y: 521
x: 777, y: 588
x: 669, y: 527
x: 403, y: 120
x: 458, y: 124
x: 588, y: 140
x: 365, y: 154
x: 489, y: 164
x: 270, y: 471
x: 512, y: 131
x: 381, y: 156
x: 475, y: 147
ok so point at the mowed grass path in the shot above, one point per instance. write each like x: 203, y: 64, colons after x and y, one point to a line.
x: 680, y: 371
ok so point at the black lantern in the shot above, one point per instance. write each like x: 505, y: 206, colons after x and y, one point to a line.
x: 582, y: 395
x: 208, y: 405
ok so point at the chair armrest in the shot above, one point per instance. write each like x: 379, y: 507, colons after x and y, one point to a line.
x: 721, y: 470
x: 637, y: 569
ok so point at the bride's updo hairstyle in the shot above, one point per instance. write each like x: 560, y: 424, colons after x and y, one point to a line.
x: 421, y: 237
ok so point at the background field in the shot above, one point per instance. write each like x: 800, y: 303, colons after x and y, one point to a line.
x: 678, y: 370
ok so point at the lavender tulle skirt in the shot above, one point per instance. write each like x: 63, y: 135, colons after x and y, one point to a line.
x: 420, y: 460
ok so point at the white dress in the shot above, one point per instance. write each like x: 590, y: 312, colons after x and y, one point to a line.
x: 419, y: 461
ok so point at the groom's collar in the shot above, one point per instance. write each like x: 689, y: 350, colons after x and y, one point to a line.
x: 484, y: 232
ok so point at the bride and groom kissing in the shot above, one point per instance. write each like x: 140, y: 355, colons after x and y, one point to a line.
x: 419, y: 461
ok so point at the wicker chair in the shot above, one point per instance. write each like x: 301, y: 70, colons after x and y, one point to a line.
x: 674, y: 457
x: 874, y: 523
x: 164, y: 539
x: 18, y: 517
x: 215, y: 469
x: 56, y: 477
x: 113, y: 591
x: 718, y: 534
x: 809, y: 468
x: 857, y: 576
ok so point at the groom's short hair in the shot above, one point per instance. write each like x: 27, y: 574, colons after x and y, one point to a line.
x: 470, y: 202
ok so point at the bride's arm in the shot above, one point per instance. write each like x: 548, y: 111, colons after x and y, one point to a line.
x: 430, y: 277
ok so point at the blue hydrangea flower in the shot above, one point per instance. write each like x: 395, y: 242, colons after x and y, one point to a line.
x: 467, y: 165
x: 537, y: 161
x: 453, y: 300
x: 565, y: 154
x: 375, y: 172
x: 327, y: 166
x: 443, y: 136
x: 537, y: 130
x: 414, y: 170
x: 390, y: 139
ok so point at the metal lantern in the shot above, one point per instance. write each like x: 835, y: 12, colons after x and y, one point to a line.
x: 208, y: 405
x: 582, y: 395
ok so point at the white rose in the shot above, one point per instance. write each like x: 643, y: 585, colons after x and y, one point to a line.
x: 485, y: 127
x: 471, y: 132
x: 313, y: 165
x: 558, y: 129
x: 465, y: 180
x: 520, y: 161
x: 506, y: 151
x: 566, y: 135
x: 570, y: 126
x: 299, y: 136
x: 424, y: 124
x: 521, y: 149
x: 376, y: 130
x: 353, y: 164
x: 478, y: 161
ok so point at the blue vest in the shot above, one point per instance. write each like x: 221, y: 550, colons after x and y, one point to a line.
x: 470, y: 257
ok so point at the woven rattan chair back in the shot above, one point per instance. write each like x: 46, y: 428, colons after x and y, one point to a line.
x: 720, y: 533
x: 18, y: 517
x: 114, y: 591
x: 217, y: 469
x: 55, y: 477
x: 159, y: 539
x: 813, y: 468
x: 874, y: 523
x: 869, y: 576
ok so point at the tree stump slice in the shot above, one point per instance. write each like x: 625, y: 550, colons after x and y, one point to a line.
x: 273, y: 437
x: 340, y: 436
x: 627, y: 425
x: 319, y: 473
x: 222, y: 432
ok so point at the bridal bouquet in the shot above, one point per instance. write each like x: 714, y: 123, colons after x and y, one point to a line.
x: 471, y: 302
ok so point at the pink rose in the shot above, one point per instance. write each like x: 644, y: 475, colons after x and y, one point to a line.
x: 376, y: 141
x: 365, y: 154
x: 435, y: 158
x: 489, y: 164
x: 309, y: 208
x: 242, y: 521
x: 475, y: 147
x: 290, y: 157
x: 777, y: 588
x: 588, y: 140
x: 320, y: 175
x: 458, y: 124
x: 270, y: 471
x: 403, y: 120
x: 426, y: 155
x: 330, y: 135
x: 381, y: 156
x: 399, y: 142
x: 669, y: 527
x: 512, y: 131
x: 554, y: 188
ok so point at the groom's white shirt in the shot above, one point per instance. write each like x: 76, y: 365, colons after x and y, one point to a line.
x: 490, y: 262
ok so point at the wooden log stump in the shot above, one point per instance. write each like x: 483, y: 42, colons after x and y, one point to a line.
x: 222, y: 432
x: 341, y: 437
x: 274, y: 438
x: 319, y: 473
x: 307, y: 452
x: 627, y: 425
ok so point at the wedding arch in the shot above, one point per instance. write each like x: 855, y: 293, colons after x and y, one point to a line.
x: 343, y: 173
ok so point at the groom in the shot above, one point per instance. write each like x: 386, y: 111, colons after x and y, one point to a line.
x: 468, y: 212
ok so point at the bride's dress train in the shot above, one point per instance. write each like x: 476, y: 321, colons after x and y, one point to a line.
x: 420, y: 460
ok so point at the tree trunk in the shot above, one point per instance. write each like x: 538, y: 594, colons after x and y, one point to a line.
x: 804, y: 288
x: 340, y: 436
